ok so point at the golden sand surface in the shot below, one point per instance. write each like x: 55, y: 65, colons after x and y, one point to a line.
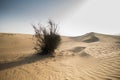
x: 91, y: 56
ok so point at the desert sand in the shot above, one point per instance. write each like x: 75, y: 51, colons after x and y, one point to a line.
x: 92, y: 56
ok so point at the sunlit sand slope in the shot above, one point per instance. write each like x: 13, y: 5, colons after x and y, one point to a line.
x: 92, y: 56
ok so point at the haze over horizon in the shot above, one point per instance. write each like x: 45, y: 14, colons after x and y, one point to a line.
x: 75, y: 17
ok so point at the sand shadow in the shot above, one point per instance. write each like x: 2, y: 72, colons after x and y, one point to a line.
x: 77, y: 49
x: 118, y: 42
x: 84, y: 54
x: 91, y: 39
x: 22, y: 61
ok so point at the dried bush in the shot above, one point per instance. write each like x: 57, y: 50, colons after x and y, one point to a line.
x: 47, y: 38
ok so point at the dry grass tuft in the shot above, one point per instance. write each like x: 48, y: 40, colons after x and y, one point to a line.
x: 47, y: 38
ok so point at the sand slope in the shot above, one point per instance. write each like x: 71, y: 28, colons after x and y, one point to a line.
x: 92, y: 56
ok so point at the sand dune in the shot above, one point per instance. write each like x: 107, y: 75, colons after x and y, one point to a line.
x: 92, y: 56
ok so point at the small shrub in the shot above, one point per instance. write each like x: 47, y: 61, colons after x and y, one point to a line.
x: 47, y: 38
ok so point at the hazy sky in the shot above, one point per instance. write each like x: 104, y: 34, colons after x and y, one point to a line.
x: 75, y: 17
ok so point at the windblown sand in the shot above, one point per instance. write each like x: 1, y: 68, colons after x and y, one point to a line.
x: 92, y: 56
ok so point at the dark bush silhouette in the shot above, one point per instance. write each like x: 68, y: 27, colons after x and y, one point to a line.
x: 47, y: 38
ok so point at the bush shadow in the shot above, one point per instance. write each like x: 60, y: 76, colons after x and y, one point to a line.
x: 24, y: 60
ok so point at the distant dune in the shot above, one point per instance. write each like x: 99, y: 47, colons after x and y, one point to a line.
x: 92, y: 56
